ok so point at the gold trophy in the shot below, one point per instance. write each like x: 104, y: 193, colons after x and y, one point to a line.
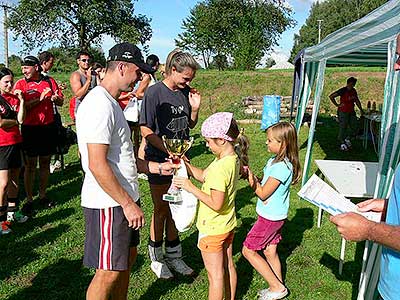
x: 176, y: 148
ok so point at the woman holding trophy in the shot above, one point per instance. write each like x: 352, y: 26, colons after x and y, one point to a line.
x: 170, y: 108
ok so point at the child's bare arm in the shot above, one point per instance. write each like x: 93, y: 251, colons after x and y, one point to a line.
x: 266, y: 190
x: 196, y: 173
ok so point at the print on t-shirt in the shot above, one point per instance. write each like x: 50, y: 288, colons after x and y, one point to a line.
x: 177, y: 123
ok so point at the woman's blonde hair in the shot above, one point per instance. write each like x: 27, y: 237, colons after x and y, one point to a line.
x: 285, y: 133
x: 180, y: 60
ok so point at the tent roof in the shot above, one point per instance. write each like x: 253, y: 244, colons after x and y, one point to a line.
x: 363, y: 42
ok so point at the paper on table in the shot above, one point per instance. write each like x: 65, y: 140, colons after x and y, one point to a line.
x: 319, y: 193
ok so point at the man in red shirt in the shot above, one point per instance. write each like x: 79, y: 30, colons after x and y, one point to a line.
x: 346, y: 114
x: 39, y: 130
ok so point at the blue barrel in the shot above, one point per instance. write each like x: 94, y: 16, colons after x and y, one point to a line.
x: 271, y: 111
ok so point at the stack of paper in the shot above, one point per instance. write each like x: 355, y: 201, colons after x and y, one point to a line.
x: 319, y: 193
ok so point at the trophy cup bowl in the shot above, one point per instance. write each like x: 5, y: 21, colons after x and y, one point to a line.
x: 176, y: 148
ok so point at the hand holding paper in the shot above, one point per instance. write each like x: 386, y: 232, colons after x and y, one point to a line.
x: 319, y: 193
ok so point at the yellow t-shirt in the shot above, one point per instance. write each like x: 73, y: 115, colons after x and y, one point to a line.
x: 222, y: 175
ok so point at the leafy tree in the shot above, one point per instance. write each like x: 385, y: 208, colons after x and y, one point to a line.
x: 269, y: 62
x: 194, y: 38
x: 334, y: 14
x: 259, y: 26
x: 219, y: 62
x: 79, y: 23
x: 242, y: 29
x: 65, y: 58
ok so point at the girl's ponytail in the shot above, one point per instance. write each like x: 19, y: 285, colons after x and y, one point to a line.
x: 242, y: 150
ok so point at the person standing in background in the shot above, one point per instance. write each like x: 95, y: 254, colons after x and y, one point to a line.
x: 346, y: 113
x: 38, y: 131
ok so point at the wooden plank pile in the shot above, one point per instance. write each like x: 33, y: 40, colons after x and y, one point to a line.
x: 254, y: 106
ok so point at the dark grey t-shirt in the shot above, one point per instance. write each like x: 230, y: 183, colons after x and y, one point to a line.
x: 166, y: 112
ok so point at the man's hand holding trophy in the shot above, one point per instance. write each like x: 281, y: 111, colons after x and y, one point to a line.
x: 176, y: 149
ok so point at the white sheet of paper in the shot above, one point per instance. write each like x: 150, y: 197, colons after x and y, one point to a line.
x: 319, y: 193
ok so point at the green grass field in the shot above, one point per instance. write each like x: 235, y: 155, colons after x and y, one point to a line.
x: 42, y: 259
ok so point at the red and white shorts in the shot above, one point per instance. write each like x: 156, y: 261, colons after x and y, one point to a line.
x: 108, y: 239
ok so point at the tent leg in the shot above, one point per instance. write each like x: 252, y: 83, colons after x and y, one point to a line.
x: 342, y: 252
x: 319, y: 217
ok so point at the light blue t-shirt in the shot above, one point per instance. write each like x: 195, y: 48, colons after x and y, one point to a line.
x: 389, y: 280
x: 277, y: 205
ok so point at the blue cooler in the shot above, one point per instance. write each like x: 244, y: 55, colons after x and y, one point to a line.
x: 271, y: 111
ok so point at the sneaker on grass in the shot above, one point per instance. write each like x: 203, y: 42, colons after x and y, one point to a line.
x: 179, y: 266
x: 17, y: 216
x: 55, y: 166
x: 161, y: 270
x: 143, y: 176
x: 348, y: 143
x: 4, y: 229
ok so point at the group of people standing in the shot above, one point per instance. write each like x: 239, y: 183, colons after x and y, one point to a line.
x: 110, y: 195
x: 32, y: 104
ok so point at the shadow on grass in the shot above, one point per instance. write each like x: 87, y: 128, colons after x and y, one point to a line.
x: 192, y: 257
x: 63, y: 185
x: 21, y: 252
x: 243, y: 268
x: 139, y: 263
x: 20, y: 230
x: 199, y: 147
x: 243, y: 197
x: 65, y: 279
x: 326, y: 136
x: 66, y: 184
x: 292, y: 234
x: 351, y: 269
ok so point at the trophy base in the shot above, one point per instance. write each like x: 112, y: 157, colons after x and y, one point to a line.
x: 172, y: 198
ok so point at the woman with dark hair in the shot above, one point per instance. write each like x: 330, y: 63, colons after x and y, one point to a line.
x: 12, y: 114
x: 170, y: 107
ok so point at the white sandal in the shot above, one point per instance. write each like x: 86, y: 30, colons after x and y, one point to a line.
x: 266, y: 294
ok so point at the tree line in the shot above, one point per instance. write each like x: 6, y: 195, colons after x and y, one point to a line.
x: 240, y: 31
x: 224, y: 33
x: 334, y: 14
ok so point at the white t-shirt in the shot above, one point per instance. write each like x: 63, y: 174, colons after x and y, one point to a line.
x: 100, y: 120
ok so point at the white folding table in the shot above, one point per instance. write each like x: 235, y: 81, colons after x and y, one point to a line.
x: 352, y: 179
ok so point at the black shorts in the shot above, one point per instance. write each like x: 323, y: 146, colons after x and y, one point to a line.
x: 39, y: 140
x: 10, y: 157
x: 108, y: 239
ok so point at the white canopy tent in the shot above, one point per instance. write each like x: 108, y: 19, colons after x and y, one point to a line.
x: 370, y: 41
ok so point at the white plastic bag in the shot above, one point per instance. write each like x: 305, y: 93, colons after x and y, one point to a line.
x: 184, y: 212
x: 131, y: 111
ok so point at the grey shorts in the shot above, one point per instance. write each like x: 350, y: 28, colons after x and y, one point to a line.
x: 108, y: 239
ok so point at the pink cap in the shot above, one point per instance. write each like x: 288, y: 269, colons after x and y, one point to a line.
x: 217, y: 125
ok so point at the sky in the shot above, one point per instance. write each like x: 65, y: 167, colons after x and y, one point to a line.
x: 167, y: 17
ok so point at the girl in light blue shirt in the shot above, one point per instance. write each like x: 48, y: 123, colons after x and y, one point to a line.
x: 282, y: 170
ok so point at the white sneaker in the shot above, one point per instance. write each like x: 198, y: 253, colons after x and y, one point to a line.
x: 16, y: 217
x: 161, y: 270
x: 348, y: 143
x: 179, y: 266
x: 143, y: 176
x: 55, y: 166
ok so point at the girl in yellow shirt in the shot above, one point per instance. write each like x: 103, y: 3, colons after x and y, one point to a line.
x: 216, y: 218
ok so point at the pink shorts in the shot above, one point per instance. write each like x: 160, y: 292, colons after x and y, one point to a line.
x: 263, y: 233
